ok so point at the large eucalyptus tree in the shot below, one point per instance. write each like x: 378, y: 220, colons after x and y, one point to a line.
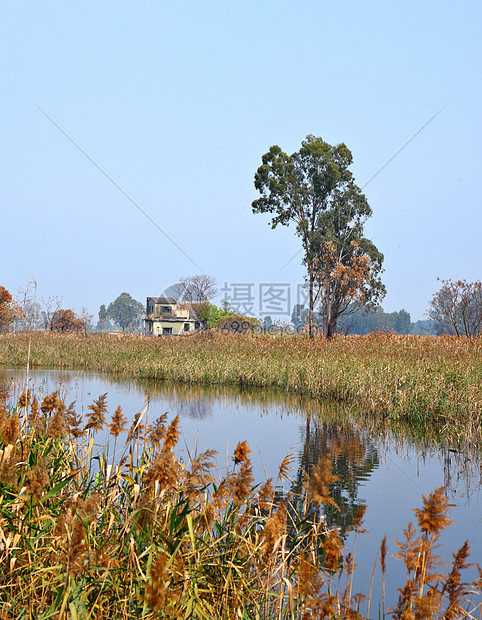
x: 314, y: 189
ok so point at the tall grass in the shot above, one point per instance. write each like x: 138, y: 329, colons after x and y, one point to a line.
x: 427, y: 380
x: 133, y: 532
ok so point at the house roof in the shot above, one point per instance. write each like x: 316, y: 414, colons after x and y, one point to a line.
x: 162, y: 300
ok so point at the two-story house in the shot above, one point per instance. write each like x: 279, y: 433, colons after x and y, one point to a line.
x: 164, y: 317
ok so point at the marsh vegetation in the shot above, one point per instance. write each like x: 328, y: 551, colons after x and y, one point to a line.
x: 131, y: 531
x: 425, y: 380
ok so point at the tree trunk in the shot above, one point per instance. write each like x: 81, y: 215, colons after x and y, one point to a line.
x: 312, y: 277
x: 330, y: 330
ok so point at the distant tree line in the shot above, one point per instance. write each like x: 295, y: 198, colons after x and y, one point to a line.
x: 26, y: 313
x: 361, y: 321
x: 455, y: 309
x: 364, y: 322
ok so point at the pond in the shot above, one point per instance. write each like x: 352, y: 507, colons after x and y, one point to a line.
x: 386, y: 471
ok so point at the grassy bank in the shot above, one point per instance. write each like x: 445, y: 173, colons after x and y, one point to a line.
x: 134, y: 533
x: 434, y: 379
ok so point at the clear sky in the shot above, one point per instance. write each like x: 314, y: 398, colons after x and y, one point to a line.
x: 177, y: 102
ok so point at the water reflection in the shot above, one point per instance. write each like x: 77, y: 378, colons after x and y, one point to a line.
x: 274, y: 424
x: 354, y: 457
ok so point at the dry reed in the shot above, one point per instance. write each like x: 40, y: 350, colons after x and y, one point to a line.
x: 151, y: 537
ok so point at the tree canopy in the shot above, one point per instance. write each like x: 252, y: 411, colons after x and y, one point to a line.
x: 457, y: 307
x: 9, y: 310
x: 67, y: 321
x: 125, y: 312
x: 103, y: 322
x: 314, y: 189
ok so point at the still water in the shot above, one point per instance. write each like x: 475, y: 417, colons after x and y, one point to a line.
x: 387, y: 472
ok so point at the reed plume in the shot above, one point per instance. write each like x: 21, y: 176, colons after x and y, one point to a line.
x: 96, y: 417
x: 37, y: 479
x: 265, y: 495
x: 273, y: 530
x: 197, y: 477
x: 74, y: 422
x: 242, y: 483
x: 285, y: 468
x: 58, y: 424
x: 25, y: 399
x: 50, y: 402
x: 157, y: 431
x: 117, y: 426
x: 172, y: 435
x: 241, y: 452
x: 137, y: 429
x: 432, y: 518
x: 454, y: 588
x: 10, y: 427
x: 333, y: 547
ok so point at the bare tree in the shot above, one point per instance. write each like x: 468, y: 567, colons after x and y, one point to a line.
x: 32, y: 316
x: 196, y: 289
x: 86, y: 317
x: 457, y: 306
x: 52, y: 305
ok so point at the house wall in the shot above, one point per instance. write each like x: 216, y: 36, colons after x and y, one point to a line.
x: 175, y: 311
x: 174, y: 320
x: 177, y: 327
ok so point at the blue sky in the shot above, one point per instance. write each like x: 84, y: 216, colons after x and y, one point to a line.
x: 177, y: 102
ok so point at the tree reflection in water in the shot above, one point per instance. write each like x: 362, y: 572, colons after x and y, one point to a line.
x: 354, y: 457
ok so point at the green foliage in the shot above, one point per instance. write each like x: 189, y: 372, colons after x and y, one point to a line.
x: 212, y: 316
x: 125, y: 312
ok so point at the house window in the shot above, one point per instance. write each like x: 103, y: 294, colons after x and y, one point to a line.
x: 166, y: 331
x: 197, y: 325
x: 187, y: 327
x: 165, y: 309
